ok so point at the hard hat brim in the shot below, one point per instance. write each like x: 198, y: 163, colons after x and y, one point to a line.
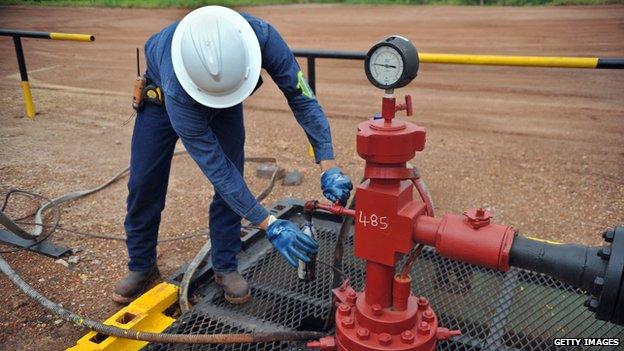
x: 253, y: 52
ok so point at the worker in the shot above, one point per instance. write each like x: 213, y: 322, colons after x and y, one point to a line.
x: 206, y: 65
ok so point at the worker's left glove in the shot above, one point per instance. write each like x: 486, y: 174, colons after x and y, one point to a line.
x: 290, y: 241
x: 336, y: 185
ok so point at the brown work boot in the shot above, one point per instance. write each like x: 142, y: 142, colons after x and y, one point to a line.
x: 234, y: 286
x: 134, y: 284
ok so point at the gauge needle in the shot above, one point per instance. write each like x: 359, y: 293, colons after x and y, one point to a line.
x: 387, y: 66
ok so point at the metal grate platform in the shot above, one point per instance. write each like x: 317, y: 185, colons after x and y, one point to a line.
x: 518, y: 310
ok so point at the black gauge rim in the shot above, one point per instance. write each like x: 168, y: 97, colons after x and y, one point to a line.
x: 405, y: 78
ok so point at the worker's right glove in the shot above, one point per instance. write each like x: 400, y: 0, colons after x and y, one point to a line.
x: 290, y: 241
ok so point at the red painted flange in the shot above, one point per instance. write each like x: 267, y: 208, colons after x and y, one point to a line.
x: 360, y: 327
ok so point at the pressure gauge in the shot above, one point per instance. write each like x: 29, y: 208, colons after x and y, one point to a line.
x: 392, y: 63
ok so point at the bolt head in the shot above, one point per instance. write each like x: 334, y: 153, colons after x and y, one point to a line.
x: 348, y: 322
x: 385, y: 339
x: 592, y: 304
x: 598, y: 284
x: 423, y: 303
x: 605, y: 253
x: 363, y: 334
x: 377, y: 309
x: 351, y: 296
x: 344, y: 310
x: 423, y: 328
x: 428, y: 316
x: 608, y: 235
x: 407, y: 337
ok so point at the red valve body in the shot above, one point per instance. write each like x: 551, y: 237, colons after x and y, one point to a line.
x: 455, y: 237
x: 388, y: 222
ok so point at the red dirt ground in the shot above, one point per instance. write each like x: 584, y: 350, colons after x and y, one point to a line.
x: 542, y: 148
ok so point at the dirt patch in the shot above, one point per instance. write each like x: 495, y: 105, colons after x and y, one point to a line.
x: 541, y: 147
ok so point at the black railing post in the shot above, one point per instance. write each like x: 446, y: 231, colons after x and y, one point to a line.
x: 21, y: 62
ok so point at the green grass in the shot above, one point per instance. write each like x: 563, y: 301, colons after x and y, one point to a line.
x: 197, y: 3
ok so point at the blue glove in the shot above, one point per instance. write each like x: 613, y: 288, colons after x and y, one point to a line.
x: 290, y: 241
x: 336, y: 185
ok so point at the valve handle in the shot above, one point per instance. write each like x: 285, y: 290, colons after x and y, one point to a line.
x: 409, y: 110
x: 407, y: 106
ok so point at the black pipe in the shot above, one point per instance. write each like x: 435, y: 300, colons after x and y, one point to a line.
x: 329, y: 54
x: 610, y: 63
x: 24, y: 33
x: 598, y: 270
x: 573, y: 264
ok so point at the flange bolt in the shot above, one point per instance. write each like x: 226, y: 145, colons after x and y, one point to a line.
x: 351, y: 296
x: 422, y: 303
x: 423, y: 328
x: 348, y: 323
x: 407, y: 337
x: 605, y: 253
x: 608, y: 235
x: 377, y: 310
x: 598, y: 284
x: 363, y: 334
x: 385, y: 339
x: 592, y: 304
x: 344, y: 310
x: 428, y: 316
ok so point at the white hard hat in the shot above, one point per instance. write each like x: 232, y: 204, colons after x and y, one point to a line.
x: 216, y: 56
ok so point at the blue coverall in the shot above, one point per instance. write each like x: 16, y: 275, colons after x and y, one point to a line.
x: 215, y: 139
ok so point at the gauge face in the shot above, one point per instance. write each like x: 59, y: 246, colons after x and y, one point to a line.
x: 386, y: 65
x: 391, y: 63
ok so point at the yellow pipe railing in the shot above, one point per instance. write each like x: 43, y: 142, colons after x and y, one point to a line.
x: 502, y: 60
x: 72, y: 37
x: 17, y: 35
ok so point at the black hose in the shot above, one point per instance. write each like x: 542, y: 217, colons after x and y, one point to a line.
x: 111, y: 330
x: 338, y: 276
x: 204, y: 251
x: 37, y: 238
x: 147, y: 336
x: 345, y: 227
x: 62, y: 228
x: 573, y: 264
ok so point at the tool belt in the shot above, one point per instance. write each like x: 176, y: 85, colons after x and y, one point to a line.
x: 145, y: 91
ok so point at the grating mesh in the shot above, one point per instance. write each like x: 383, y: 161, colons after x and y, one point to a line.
x: 519, y: 310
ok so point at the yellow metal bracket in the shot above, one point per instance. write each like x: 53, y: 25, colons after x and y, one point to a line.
x: 144, y: 314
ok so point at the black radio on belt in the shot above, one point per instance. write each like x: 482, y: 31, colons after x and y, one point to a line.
x: 144, y: 90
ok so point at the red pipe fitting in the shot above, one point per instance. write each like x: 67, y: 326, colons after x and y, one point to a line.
x: 327, y: 343
x: 467, y: 238
x: 336, y: 208
x: 401, y: 291
x: 379, y: 276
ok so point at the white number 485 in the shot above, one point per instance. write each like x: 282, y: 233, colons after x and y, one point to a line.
x: 374, y: 220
